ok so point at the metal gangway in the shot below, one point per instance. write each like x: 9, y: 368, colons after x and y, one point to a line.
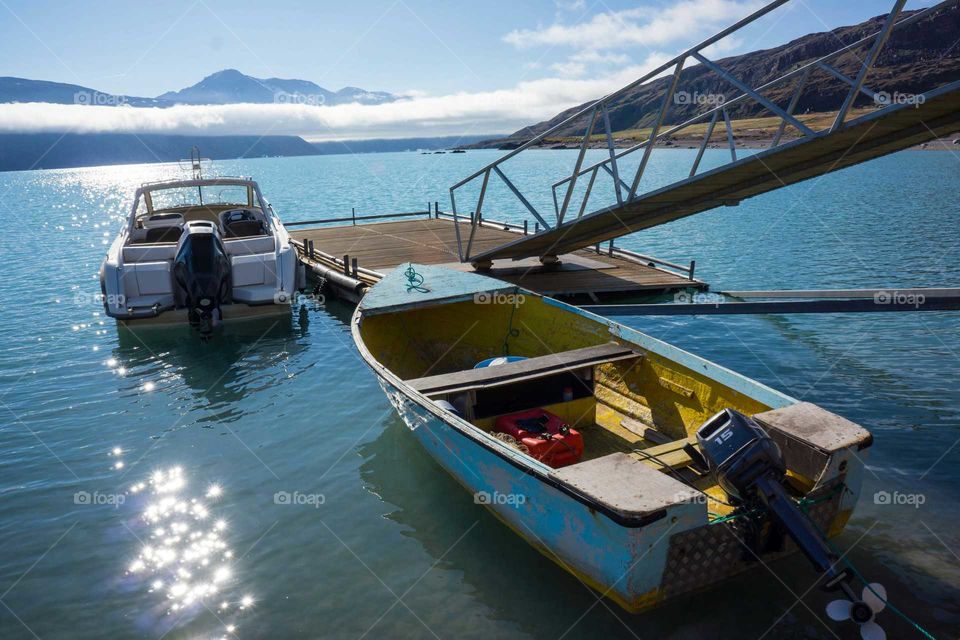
x: 893, y: 127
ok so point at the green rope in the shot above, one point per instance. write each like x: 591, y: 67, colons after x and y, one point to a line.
x: 414, y: 280
x: 803, y: 503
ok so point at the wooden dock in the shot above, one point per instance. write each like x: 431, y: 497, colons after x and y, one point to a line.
x: 357, y: 255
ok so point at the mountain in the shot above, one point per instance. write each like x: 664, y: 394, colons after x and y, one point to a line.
x: 223, y: 87
x: 23, y: 151
x: 25, y: 90
x: 231, y: 86
x: 913, y: 61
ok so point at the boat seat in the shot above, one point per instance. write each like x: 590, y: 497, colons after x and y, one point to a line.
x: 162, y: 220
x: 244, y: 229
x: 529, y: 369
x: 254, y: 269
x: 628, y: 487
x: 810, y: 436
x: 148, y: 252
x: 246, y: 246
x: 146, y: 279
x: 157, y: 235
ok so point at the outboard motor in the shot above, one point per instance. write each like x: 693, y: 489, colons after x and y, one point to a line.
x: 201, y: 271
x: 748, y: 465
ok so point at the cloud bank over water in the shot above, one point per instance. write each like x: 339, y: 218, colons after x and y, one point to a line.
x: 499, y: 111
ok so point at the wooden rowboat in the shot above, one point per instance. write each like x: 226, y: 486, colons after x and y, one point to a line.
x: 635, y: 516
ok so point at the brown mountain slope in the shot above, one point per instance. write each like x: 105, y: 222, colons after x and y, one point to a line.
x: 918, y: 57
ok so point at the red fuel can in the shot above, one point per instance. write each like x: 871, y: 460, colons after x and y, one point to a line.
x: 547, y: 436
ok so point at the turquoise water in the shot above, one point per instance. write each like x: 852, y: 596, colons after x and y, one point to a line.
x: 271, y: 462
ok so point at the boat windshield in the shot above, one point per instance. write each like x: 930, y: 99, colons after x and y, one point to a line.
x: 197, y: 196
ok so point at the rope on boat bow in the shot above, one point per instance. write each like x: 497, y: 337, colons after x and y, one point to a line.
x: 414, y: 280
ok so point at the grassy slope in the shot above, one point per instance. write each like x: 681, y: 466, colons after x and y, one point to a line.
x: 744, y: 130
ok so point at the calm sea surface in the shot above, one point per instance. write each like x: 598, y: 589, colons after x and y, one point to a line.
x: 296, y: 503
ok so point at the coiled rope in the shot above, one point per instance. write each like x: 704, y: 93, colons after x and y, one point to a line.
x: 414, y: 280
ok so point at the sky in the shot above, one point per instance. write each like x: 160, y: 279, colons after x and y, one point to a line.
x: 466, y: 66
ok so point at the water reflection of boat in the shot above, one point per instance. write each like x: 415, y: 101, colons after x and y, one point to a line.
x: 638, y: 513
x: 220, y: 374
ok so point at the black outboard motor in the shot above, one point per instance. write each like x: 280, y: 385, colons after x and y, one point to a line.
x: 201, y: 270
x: 749, y: 467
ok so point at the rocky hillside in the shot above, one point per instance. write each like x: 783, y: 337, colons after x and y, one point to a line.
x: 916, y: 58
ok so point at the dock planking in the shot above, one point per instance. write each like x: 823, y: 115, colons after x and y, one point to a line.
x: 381, y: 246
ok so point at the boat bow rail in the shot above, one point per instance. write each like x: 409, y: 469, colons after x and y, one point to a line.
x: 627, y: 207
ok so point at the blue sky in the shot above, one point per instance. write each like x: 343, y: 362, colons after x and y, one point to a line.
x: 428, y: 48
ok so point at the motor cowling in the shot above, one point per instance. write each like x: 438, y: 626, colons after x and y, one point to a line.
x: 201, y: 270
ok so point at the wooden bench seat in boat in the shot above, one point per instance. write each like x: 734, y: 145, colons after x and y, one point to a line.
x: 626, y: 486
x: 809, y: 436
x: 529, y: 369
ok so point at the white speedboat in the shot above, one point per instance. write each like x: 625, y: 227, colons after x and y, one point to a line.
x: 200, y: 251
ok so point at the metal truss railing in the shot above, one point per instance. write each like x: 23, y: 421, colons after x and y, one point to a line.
x: 597, y: 116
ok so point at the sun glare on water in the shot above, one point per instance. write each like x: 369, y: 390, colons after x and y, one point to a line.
x: 184, y: 555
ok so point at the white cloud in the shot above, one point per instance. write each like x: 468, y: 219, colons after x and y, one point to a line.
x: 592, y: 56
x: 569, y: 69
x: 497, y: 111
x: 571, y: 5
x: 647, y: 26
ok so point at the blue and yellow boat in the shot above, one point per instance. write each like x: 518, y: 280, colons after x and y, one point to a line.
x: 496, y: 381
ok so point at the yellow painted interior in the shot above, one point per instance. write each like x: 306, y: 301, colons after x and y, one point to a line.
x: 653, y: 391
